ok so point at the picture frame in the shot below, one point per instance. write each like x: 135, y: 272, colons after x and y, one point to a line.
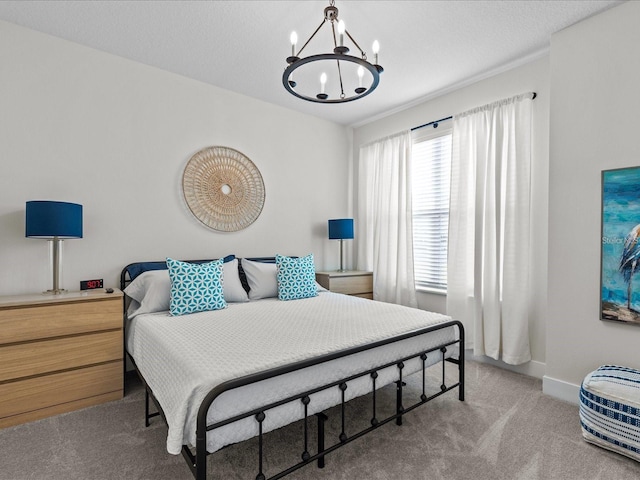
x: 620, y: 246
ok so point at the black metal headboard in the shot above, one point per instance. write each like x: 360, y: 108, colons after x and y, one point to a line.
x: 131, y: 271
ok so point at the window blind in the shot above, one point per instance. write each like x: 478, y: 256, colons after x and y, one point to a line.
x: 431, y: 173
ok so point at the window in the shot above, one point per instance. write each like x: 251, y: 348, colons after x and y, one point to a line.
x: 431, y: 159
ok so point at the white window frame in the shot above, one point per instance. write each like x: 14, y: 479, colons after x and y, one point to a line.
x: 432, y: 204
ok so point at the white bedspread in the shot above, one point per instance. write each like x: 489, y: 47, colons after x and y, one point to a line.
x: 183, y: 358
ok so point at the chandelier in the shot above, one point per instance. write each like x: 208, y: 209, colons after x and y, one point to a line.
x: 349, y: 78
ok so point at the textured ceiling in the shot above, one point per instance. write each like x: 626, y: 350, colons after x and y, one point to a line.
x: 427, y: 47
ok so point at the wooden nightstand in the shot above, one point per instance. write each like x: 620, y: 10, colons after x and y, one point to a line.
x: 59, y: 353
x: 356, y: 283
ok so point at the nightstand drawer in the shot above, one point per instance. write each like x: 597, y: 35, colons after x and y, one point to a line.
x: 34, y: 358
x: 352, y: 285
x: 45, y: 321
x: 351, y: 282
x: 33, y: 394
x: 368, y: 296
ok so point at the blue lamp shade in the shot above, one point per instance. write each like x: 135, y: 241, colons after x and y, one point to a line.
x: 46, y: 219
x: 341, y: 229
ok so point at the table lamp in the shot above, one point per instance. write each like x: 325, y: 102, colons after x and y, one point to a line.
x: 341, y: 229
x: 54, y: 221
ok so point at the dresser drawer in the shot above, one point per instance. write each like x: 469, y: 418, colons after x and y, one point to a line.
x: 59, y: 353
x: 45, y: 321
x: 35, y: 358
x: 33, y: 394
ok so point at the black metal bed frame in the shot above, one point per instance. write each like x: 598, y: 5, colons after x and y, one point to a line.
x: 198, y: 462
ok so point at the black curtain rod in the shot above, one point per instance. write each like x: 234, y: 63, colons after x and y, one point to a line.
x: 435, y: 124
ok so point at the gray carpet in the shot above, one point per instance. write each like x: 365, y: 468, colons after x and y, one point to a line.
x: 506, y: 429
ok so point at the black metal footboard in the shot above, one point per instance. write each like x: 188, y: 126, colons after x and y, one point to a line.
x: 198, y: 462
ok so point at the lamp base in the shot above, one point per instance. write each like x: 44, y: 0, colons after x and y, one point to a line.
x: 57, y: 291
x: 341, y: 269
x: 55, y: 252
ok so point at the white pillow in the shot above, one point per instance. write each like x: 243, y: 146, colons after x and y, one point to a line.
x: 151, y: 291
x: 262, y: 279
x: 231, y: 284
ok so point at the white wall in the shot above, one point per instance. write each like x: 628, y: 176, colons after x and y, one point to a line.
x: 532, y: 76
x: 595, y: 81
x: 114, y: 135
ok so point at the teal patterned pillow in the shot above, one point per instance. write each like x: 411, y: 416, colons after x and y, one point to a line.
x: 195, y: 287
x: 296, y: 277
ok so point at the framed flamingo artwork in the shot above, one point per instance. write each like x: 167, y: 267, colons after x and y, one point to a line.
x: 620, y: 254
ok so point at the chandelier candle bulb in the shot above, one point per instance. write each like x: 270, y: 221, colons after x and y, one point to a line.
x: 323, y: 83
x: 360, y: 90
x: 294, y: 41
x: 341, y: 29
x: 376, y: 49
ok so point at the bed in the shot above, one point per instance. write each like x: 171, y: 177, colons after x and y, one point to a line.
x: 218, y: 377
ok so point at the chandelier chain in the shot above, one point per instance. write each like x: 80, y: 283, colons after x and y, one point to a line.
x: 364, y: 55
x: 311, y: 37
x: 335, y: 44
x: 340, y: 77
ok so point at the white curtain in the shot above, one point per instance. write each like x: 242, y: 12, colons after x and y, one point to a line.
x: 489, y: 226
x: 384, y: 237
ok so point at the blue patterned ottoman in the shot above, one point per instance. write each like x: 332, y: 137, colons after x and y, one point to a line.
x: 610, y: 409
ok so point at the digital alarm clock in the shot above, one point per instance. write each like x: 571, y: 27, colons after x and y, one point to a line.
x: 91, y: 284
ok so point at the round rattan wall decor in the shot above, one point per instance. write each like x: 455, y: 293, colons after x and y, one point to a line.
x: 223, y: 189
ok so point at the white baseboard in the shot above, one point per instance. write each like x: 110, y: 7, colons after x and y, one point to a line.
x: 532, y: 369
x: 553, y: 387
x: 566, y: 391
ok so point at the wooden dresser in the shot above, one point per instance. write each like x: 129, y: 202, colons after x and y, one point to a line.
x: 354, y: 282
x: 59, y: 353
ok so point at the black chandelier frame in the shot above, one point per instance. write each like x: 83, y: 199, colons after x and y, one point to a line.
x: 339, y: 54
